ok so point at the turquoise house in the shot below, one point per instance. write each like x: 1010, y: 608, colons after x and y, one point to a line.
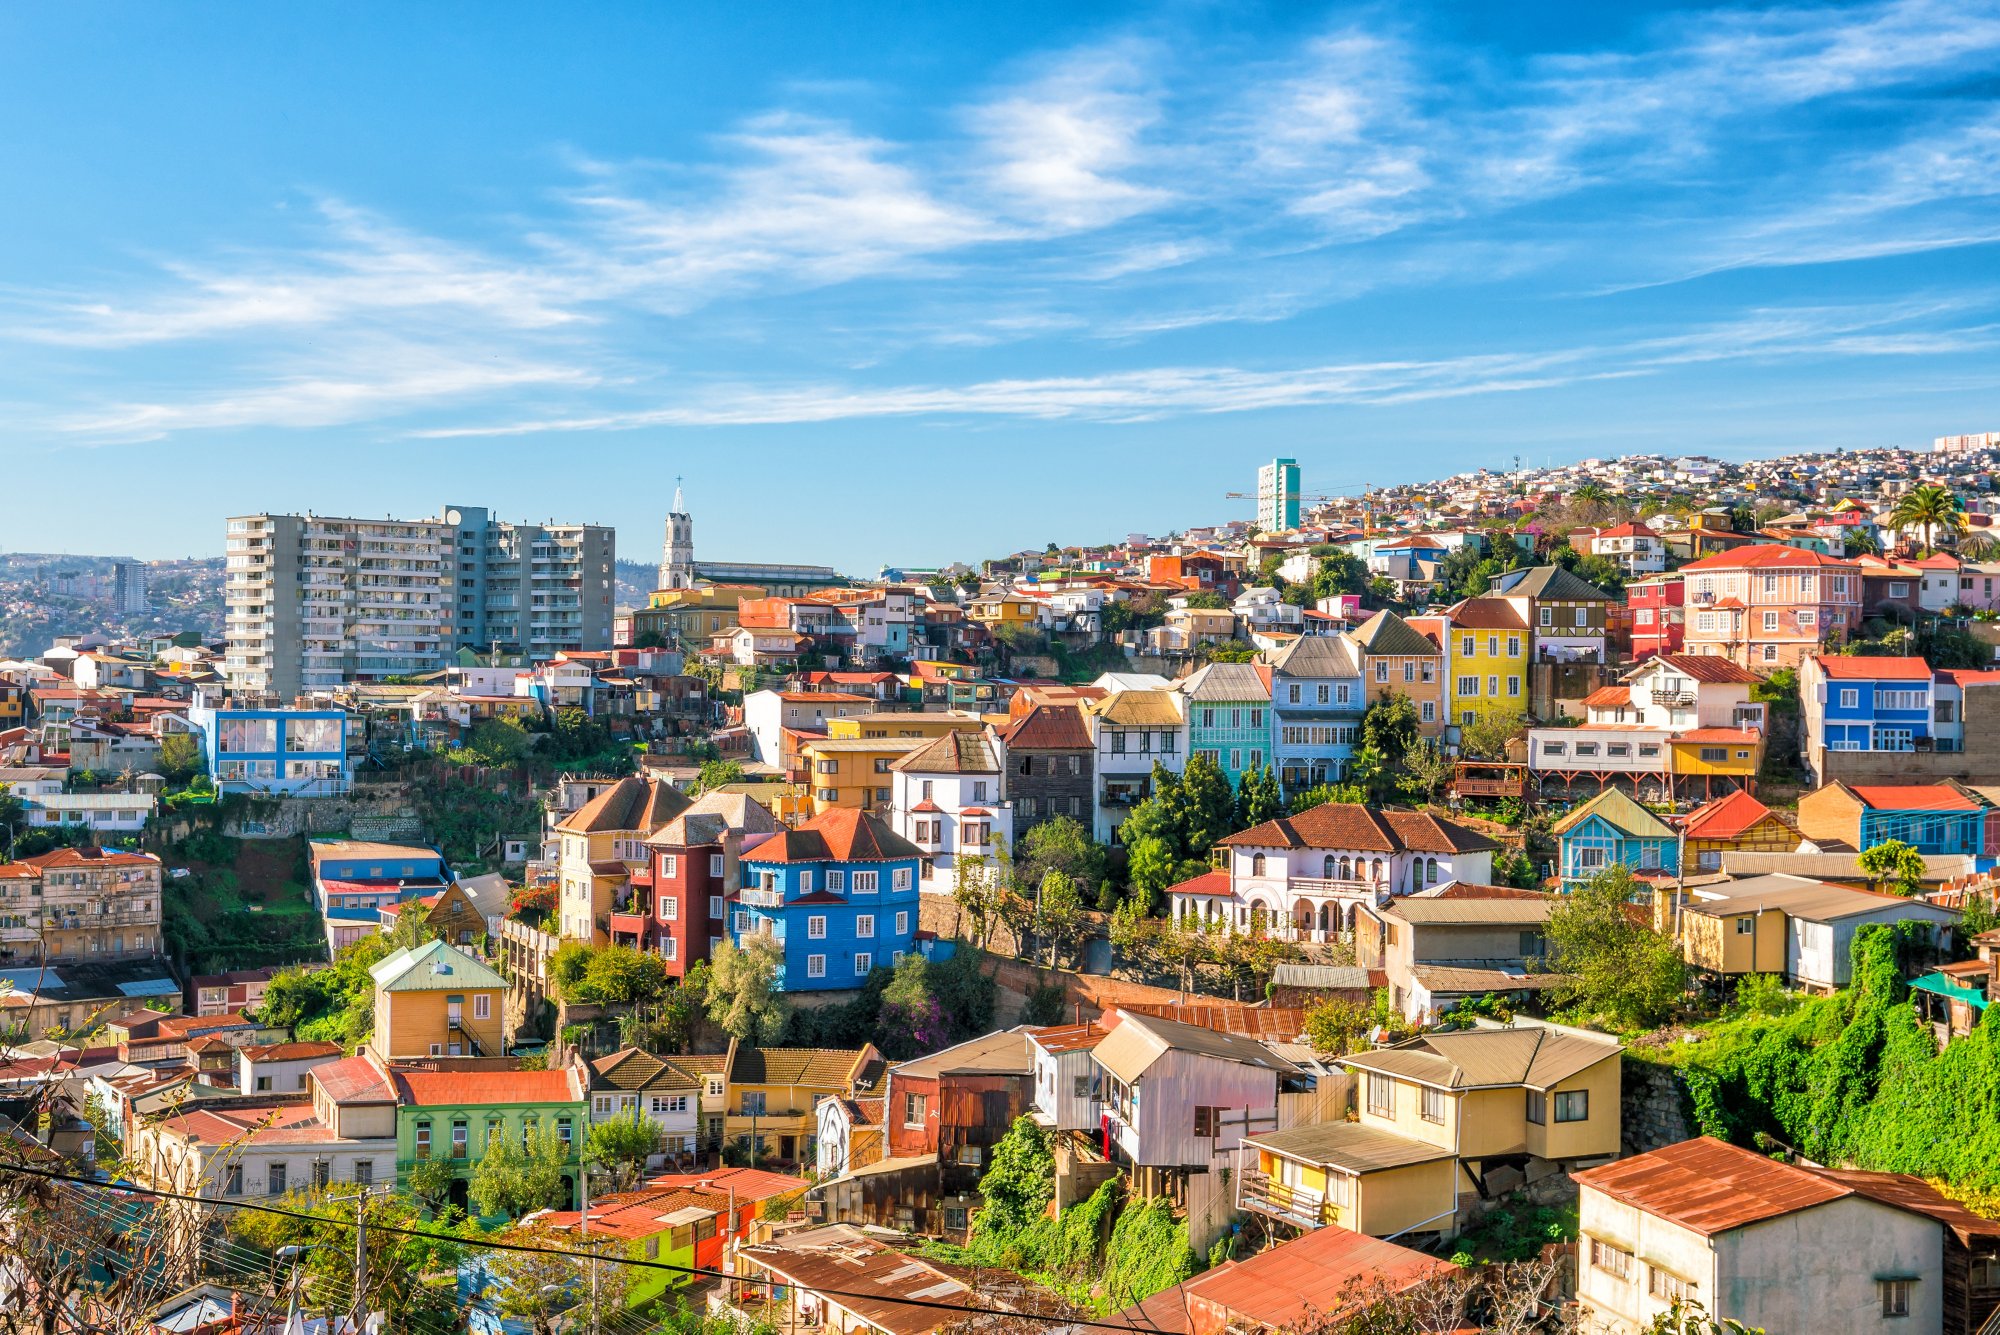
x: 1613, y: 830
x: 1229, y: 716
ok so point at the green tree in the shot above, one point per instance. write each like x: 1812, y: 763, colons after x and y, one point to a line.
x: 977, y: 894
x: 1426, y: 769
x: 1162, y: 815
x: 567, y: 967
x: 1860, y: 542
x: 1063, y: 845
x: 743, y: 995
x: 1230, y: 651
x: 1338, y: 1027
x: 1691, y: 1318
x: 180, y: 755
x: 1208, y: 805
x: 497, y: 742
x: 1059, y: 916
x: 1896, y: 863
x: 1205, y: 599
x: 1020, y: 1182
x: 1389, y: 725
x: 620, y: 975
x: 513, y: 1179
x: 1486, y: 737
x: 715, y: 774
x: 398, y: 1262
x: 1151, y: 867
x: 1613, y: 965
x: 1931, y: 508
x: 622, y: 1146
x: 1339, y: 572
x: 1322, y: 793
x: 1258, y: 798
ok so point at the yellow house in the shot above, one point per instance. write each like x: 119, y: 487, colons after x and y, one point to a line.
x: 1004, y: 610
x: 1499, y: 1098
x: 773, y: 1092
x: 601, y: 844
x: 1398, y: 658
x: 853, y: 772
x: 1733, y: 823
x: 1345, y: 1175
x: 893, y: 724
x: 435, y: 1000
x: 1488, y: 660
x: 692, y: 615
x: 1708, y: 754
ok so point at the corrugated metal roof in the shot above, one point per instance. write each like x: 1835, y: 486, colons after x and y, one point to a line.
x: 1348, y: 1145
x: 1534, y: 1055
x: 1002, y: 1053
x: 1319, y: 1274
x: 1798, y: 897
x: 1140, y: 1040
x: 1836, y: 866
x: 1444, y: 912
x: 1319, y: 975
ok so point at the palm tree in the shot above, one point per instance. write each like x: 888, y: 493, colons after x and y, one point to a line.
x: 1979, y: 547
x: 1929, y: 508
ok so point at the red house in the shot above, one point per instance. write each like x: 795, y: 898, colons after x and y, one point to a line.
x: 679, y: 897
x: 1658, y: 621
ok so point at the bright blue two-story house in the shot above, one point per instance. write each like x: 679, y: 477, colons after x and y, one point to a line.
x: 1866, y: 704
x: 1613, y: 830
x: 1316, y: 706
x: 1938, y: 819
x: 276, y: 750
x: 839, y: 894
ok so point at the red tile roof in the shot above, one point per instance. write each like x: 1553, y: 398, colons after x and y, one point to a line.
x: 748, y: 1184
x: 1768, y: 556
x: 1913, y: 797
x: 1608, y: 697
x: 1292, y: 1286
x: 1962, y: 677
x: 1725, y: 817
x: 1050, y: 728
x: 1843, y: 667
x: 1342, y: 825
x: 633, y: 803
x: 432, y: 1088
x: 839, y: 835
x: 1709, y: 667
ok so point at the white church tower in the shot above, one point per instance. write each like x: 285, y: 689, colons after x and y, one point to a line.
x: 677, y: 569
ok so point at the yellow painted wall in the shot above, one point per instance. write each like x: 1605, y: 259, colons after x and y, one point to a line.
x: 1711, y: 941
x: 1395, y: 1199
x: 1407, y: 1118
x: 854, y: 781
x: 1490, y: 657
x: 1687, y: 759
x: 407, y: 1023
x: 908, y: 724
x: 1598, y: 1133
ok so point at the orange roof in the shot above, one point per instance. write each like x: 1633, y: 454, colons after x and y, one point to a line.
x: 747, y: 1184
x: 1767, y: 556
x: 1215, y: 883
x: 1970, y: 676
x: 1738, y: 736
x: 1726, y: 817
x: 1913, y: 797
x: 840, y: 835
x: 432, y: 1088
x: 1844, y: 667
x: 1709, y: 667
x: 1608, y: 697
x: 1322, y: 1273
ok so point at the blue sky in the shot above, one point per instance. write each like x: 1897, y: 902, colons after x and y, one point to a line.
x: 915, y: 282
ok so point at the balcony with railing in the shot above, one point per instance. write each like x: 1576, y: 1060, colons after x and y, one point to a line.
x: 757, y: 897
x: 1294, y: 1205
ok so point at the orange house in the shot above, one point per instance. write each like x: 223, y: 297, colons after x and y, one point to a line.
x: 1733, y: 823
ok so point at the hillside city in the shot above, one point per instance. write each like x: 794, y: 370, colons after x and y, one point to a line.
x: 1535, y: 899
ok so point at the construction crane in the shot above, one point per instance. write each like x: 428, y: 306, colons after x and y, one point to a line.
x: 1324, y: 498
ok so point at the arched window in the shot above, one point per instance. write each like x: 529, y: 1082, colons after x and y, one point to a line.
x: 1346, y: 868
x: 1375, y: 870
x: 1256, y: 864
x: 1327, y: 869
x: 1430, y: 871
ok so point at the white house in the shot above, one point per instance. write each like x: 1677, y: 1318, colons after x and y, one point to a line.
x: 1707, y: 1222
x: 1637, y: 548
x: 848, y: 1134
x: 1301, y: 878
x: 1133, y: 730
x: 1069, y: 1090
x: 947, y: 798
x: 631, y: 1082
x: 767, y: 714
x: 106, y: 813
x: 281, y: 1068
x: 1179, y: 1099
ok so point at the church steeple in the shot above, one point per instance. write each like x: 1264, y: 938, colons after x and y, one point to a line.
x: 677, y: 563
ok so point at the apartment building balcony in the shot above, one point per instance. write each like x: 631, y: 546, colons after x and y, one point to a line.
x: 90, y: 922
x: 762, y: 899
x: 1301, y: 1206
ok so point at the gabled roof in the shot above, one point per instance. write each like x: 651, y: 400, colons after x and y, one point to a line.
x: 1323, y: 1273
x: 1767, y: 556
x: 1485, y: 613
x: 1385, y: 633
x: 960, y: 751
x: 633, y: 803
x: 827, y: 1068
x: 1535, y: 1056
x: 1048, y: 727
x: 841, y: 834
x: 434, y: 966
x: 1351, y: 826
x: 1710, y: 1187
x: 1855, y: 667
x: 1726, y: 817
x: 1618, y: 811
x: 633, y: 1068
x: 354, y: 1080
x: 1227, y: 681
x: 428, y: 1087
x: 1004, y: 1052
x: 1702, y: 667
x: 1318, y: 656
x: 1913, y: 797
x: 1139, y: 1040
x: 1553, y: 584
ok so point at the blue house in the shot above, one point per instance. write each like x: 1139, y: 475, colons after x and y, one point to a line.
x: 1613, y: 830
x: 1938, y: 819
x: 1866, y: 704
x: 839, y: 894
x: 1316, y: 705
x: 353, y: 879
x: 281, y: 751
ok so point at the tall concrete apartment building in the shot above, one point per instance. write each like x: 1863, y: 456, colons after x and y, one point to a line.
x: 1278, y: 496
x: 314, y: 601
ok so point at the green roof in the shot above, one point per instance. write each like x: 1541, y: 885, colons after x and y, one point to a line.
x: 1619, y: 811
x: 433, y: 967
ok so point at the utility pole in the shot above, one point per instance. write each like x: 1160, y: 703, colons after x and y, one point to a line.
x: 360, y: 1314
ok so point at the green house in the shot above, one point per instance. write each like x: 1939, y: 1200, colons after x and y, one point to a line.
x: 454, y: 1114
x: 1228, y: 714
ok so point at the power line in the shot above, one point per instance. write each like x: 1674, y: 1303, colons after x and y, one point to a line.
x: 615, y: 1258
